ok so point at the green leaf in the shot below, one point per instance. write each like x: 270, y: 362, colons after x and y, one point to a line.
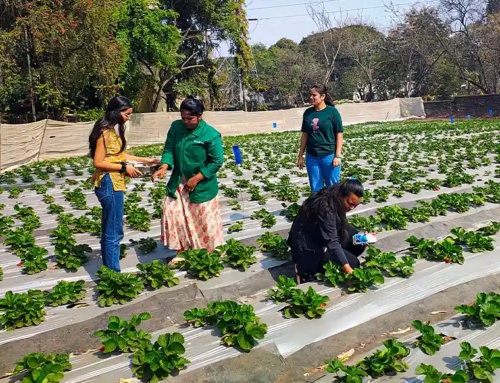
x: 245, y: 341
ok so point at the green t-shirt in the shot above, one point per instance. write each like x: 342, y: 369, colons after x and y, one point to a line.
x: 321, y: 128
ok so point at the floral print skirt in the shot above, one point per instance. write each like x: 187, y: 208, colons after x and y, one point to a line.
x: 187, y: 225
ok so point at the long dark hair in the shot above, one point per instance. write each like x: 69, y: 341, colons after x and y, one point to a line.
x: 330, y: 198
x: 193, y: 106
x: 322, y: 90
x: 111, y: 118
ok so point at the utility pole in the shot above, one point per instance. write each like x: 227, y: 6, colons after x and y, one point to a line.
x: 243, y: 99
x: 28, y: 57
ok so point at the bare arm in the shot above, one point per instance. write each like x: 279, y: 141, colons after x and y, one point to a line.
x: 100, y: 155
x: 340, y: 142
x: 303, y: 143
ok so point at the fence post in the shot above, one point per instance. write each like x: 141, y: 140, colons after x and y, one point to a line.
x: 41, y: 142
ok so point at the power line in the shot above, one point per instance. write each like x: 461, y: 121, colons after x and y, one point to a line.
x: 293, y: 5
x: 339, y: 11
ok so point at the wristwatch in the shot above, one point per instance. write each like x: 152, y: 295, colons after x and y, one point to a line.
x: 124, y: 167
x: 338, y: 156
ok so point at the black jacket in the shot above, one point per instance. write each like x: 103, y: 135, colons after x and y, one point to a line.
x: 308, y: 243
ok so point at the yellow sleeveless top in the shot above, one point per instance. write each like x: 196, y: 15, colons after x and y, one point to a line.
x: 113, y: 144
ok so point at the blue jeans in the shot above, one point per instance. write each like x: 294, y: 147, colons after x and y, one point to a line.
x: 321, y: 171
x: 112, y: 223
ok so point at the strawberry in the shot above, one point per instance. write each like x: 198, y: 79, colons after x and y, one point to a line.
x: 101, y: 348
x: 447, y: 260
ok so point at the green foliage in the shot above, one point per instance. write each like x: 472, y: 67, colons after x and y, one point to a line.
x: 238, y: 226
x: 122, y: 335
x: 486, y: 309
x: 310, y: 303
x: 349, y: 374
x: 387, y: 360
x: 34, y: 260
x: 238, y: 324
x: 268, y: 219
x: 285, y: 288
x: 138, y: 218
x: 275, y: 245
x: 21, y: 310
x: 44, y: 368
x: 362, y: 279
x: 238, y: 254
x: 200, y: 263
x: 158, y: 361
x: 146, y: 245
x: 429, y: 342
x: 445, y: 250
x: 388, y: 262
x: 19, y: 241
x: 157, y: 274
x: 65, y: 293
x: 480, y: 368
x: 117, y: 288
x: 333, y: 274
x: 432, y: 375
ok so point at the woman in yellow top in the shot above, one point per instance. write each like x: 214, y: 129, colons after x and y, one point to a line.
x: 107, y: 148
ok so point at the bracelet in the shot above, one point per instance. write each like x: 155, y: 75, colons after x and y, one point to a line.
x: 124, y: 168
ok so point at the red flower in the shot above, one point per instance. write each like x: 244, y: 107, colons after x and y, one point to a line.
x: 59, y: 3
x: 101, y: 348
x: 20, y: 264
x: 74, y: 25
x: 437, y: 189
x: 63, y: 30
x: 447, y: 260
x: 117, y: 87
x: 323, y: 304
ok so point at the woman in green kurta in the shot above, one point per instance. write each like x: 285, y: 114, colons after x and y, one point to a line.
x: 191, y: 214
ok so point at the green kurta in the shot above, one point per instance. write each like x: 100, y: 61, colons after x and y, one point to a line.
x: 190, y: 153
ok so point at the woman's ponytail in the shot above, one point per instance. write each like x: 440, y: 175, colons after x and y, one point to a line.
x: 329, y: 100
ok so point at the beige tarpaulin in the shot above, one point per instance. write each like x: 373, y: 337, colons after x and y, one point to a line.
x: 48, y: 139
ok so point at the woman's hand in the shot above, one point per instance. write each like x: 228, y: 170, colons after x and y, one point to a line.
x: 192, y: 183
x: 336, y: 162
x: 152, y: 161
x: 160, y: 173
x: 300, y: 162
x: 347, y: 269
x: 132, y: 172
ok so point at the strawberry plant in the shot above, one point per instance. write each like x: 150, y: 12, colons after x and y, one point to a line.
x: 485, y: 310
x: 285, y: 288
x: 370, y: 223
x: 123, y: 251
x: 238, y: 226
x: 48, y: 199
x: 268, y: 219
x: 158, y: 361
x: 275, y: 245
x: 235, y: 205
x: 76, y: 198
x: 385, y: 361
x: 139, y: 187
x: 200, y: 263
x: 15, y: 192
x: 6, y: 223
x: 65, y: 293
x: 122, y: 335
x: 389, y: 263
x: 157, y: 274
x: 481, y: 368
x: 290, y: 211
x: 429, y: 342
x: 71, y: 257
x: 362, y: 279
x: 43, y: 368
x: 34, y: 260
x: 492, y: 229
x: 432, y: 375
x: 146, y: 245
x: 138, y: 218
x: 349, y: 374
x: 310, y: 303
x: 117, y: 288
x: 19, y: 241
x: 21, y: 310
x: 238, y: 254
x: 1, y: 274
x: 393, y: 217
x: 333, y: 274
x: 229, y: 193
x: 55, y: 209
x: 237, y: 322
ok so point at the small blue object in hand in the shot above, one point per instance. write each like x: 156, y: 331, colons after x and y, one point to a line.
x: 237, y: 155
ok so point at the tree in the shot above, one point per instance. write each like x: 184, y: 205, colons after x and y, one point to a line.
x: 63, y: 54
x: 493, y: 7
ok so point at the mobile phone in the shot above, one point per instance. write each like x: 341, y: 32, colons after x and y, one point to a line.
x: 364, y: 238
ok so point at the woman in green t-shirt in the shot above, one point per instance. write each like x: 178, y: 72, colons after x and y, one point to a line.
x: 322, y: 138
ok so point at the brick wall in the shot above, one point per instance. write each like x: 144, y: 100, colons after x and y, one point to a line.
x: 460, y: 107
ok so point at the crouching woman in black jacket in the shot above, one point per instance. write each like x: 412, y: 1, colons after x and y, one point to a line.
x: 321, y: 232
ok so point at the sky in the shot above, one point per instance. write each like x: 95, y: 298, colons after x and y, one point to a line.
x: 276, y: 17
